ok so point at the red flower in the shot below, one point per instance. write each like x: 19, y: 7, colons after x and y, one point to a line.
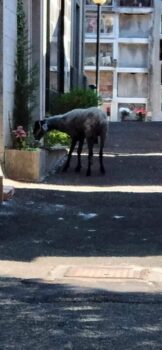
x: 20, y: 136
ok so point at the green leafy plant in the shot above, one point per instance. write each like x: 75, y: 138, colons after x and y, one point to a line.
x: 26, y: 81
x: 56, y: 137
x: 77, y: 98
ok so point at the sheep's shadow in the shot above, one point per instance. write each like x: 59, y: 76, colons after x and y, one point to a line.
x: 132, y: 156
x: 121, y: 170
x: 73, y: 223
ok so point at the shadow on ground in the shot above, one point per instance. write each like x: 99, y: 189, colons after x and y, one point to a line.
x: 121, y: 170
x: 35, y: 315
x: 47, y: 222
x: 134, y: 137
x: 62, y: 223
x: 132, y: 156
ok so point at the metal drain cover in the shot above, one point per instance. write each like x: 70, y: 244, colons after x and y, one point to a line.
x: 116, y: 278
x: 106, y: 272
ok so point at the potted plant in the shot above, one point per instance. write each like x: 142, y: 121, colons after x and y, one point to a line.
x: 24, y: 161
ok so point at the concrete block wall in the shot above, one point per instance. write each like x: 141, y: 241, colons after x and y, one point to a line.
x: 134, y: 26
x: 133, y: 55
x: 132, y: 85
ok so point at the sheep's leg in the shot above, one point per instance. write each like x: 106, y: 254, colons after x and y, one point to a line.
x: 79, y: 151
x: 90, y: 143
x: 66, y: 166
x: 102, y: 169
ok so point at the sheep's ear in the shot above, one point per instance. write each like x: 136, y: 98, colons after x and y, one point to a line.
x: 45, y: 127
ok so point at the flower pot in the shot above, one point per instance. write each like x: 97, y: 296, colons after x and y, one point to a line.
x: 25, y: 165
x: 32, y: 165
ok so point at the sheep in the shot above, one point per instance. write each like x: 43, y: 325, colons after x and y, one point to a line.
x: 80, y: 124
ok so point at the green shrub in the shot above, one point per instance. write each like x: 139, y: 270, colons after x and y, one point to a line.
x: 77, y: 98
x: 56, y: 137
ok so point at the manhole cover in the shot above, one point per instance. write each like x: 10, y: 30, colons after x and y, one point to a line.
x: 106, y: 272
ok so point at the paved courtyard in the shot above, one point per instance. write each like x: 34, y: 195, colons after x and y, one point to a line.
x: 81, y: 257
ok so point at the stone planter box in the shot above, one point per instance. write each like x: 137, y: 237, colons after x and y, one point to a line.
x: 54, y: 157
x: 25, y: 165
x: 31, y: 166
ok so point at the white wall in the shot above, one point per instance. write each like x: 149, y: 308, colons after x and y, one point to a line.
x: 133, y: 55
x: 67, y: 44
x: 36, y: 12
x: 132, y: 85
x: 134, y: 26
x: 9, y: 56
x: 155, y: 95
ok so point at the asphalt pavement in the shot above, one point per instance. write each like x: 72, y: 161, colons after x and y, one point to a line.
x: 81, y: 257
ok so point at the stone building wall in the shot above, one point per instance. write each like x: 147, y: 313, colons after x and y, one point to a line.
x: 133, y: 85
x: 8, y: 34
x: 134, y: 26
x: 156, y: 63
x: 9, y: 54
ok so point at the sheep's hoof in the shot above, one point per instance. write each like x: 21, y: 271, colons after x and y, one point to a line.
x: 77, y: 169
x: 102, y: 170
x: 65, y: 168
x: 88, y: 173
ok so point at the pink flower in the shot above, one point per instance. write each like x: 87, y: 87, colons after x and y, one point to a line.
x: 20, y: 136
x: 19, y: 132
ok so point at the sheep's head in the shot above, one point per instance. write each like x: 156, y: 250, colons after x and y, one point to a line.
x: 40, y: 128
